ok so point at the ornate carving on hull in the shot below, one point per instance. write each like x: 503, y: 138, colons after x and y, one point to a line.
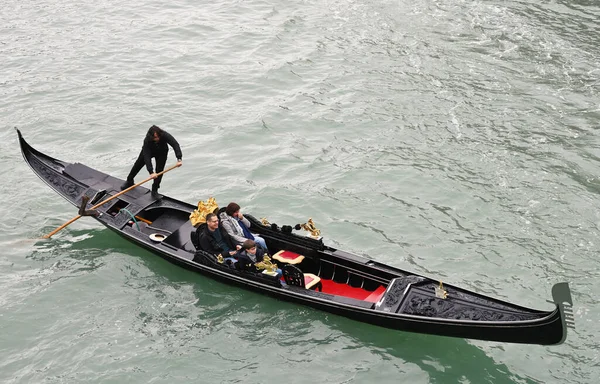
x: 479, y: 300
x: 393, y: 296
x: 423, y: 305
x: 66, y: 186
x: 33, y: 159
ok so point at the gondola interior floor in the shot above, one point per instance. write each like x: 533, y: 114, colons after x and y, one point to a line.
x: 333, y: 288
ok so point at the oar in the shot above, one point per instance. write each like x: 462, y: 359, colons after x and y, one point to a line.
x: 109, y: 199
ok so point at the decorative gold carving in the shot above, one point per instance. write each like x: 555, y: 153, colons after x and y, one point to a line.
x: 265, y: 222
x: 441, y: 292
x: 220, y: 259
x: 198, y: 216
x: 310, y: 227
x: 266, y: 264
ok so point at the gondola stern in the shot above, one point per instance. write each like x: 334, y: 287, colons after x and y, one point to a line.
x: 51, y: 172
x: 25, y: 147
x: 27, y: 150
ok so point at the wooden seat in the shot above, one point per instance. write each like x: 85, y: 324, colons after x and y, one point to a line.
x: 311, y: 280
x: 288, y: 257
x: 294, y: 276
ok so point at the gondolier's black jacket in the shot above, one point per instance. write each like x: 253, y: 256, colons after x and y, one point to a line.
x: 203, y: 240
x: 152, y: 149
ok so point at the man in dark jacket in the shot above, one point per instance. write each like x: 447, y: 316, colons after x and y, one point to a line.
x: 155, y: 145
x: 210, y: 238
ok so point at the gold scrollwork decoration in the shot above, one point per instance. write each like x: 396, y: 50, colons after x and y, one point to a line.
x: 440, y: 292
x: 266, y: 264
x: 310, y: 227
x: 198, y: 216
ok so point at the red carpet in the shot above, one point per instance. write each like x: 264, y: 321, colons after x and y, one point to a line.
x: 331, y: 287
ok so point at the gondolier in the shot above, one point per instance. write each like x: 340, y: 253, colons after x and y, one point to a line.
x: 155, y: 146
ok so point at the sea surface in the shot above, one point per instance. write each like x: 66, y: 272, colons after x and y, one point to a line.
x: 455, y: 139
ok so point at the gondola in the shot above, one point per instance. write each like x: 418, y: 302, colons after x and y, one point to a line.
x: 315, y: 274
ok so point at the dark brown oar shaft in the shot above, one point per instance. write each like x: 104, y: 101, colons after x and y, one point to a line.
x: 107, y: 200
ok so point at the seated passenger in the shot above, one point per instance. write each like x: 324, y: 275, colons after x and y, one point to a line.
x: 238, y: 226
x: 251, y: 254
x: 212, y: 239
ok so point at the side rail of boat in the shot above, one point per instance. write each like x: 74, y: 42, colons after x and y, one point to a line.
x: 315, y: 248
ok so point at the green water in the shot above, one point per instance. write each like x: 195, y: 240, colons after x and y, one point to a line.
x: 456, y: 140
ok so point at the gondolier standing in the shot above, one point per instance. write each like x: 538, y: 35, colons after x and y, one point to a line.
x: 155, y: 145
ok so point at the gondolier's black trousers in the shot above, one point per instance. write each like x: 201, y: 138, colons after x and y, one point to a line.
x: 161, y: 160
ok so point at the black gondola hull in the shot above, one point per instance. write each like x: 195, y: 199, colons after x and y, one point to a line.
x: 408, y: 303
